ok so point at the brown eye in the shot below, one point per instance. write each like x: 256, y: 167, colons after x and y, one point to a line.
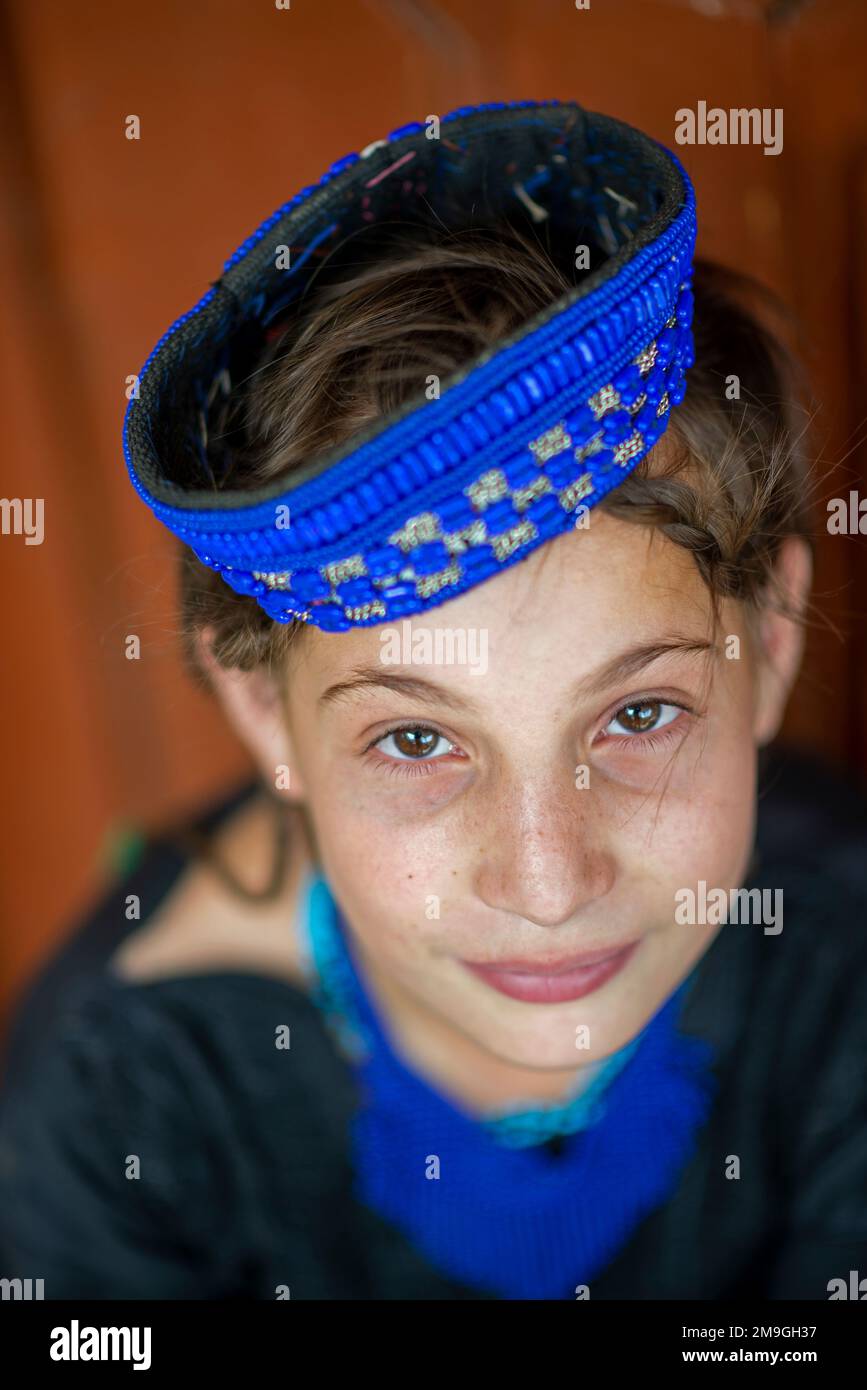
x: 639, y: 718
x: 642, y: 717
x: 415, y: 743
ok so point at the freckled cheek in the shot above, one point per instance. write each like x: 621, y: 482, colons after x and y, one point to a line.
x: 708, y: 834
x: 729, y: 792
x: 692, y: 819
x: 707, y: 842
x: 392, y: 883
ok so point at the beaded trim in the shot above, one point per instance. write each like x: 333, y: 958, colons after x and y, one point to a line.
x: 426, y: 557
x: 461, y: 487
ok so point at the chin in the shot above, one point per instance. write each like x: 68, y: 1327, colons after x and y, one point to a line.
x: 545, y: 1039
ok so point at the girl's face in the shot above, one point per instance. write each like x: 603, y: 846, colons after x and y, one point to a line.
x: 539, y: 806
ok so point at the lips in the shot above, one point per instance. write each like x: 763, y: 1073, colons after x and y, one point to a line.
x: 561, y: 966
x: 553, y: 982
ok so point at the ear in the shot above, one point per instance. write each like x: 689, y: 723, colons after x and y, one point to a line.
x: 781, y: 638
x: 255, y: 708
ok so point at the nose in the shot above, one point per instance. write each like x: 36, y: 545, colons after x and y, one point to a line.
x: 544, y: 852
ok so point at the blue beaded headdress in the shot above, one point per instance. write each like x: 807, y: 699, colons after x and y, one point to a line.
x: 443, y: 493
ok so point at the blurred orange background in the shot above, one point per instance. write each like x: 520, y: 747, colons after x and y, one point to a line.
x: 105, y: 241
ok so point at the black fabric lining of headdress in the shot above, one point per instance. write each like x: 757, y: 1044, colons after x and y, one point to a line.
x: 594, y: 179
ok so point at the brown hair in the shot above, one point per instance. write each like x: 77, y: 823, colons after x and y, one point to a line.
x: 373, y: 332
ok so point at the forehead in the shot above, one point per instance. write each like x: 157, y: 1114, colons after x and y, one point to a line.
x: 572, y: 605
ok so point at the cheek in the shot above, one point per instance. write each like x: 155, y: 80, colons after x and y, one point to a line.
x: 390, y: 878
x: 701, y: 825
x: 693, y: 819
x: 723, y: 801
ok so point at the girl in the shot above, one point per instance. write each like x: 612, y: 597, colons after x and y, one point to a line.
x: 502, y: 588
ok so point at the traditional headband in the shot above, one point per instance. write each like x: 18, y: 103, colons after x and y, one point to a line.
x: 444, y: 493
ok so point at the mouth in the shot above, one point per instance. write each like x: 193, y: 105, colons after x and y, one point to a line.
x: 553, y: 982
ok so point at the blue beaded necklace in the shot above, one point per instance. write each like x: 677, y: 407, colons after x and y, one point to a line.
x: 484, y: 1199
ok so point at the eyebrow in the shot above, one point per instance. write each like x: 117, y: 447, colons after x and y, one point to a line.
x: 431, y: 692
x: 630, y: 662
